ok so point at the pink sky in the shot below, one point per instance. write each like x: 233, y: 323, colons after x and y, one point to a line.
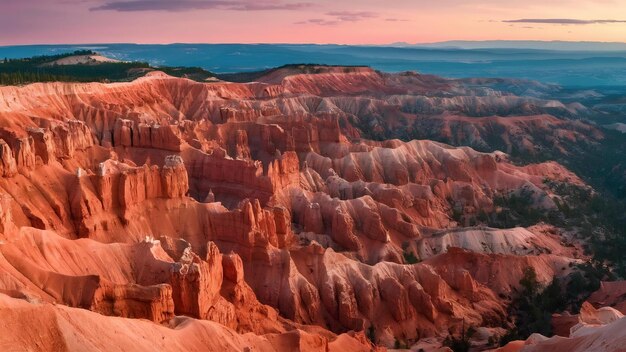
x: 307, y: 21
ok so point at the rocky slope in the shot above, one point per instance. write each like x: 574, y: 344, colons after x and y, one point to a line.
x: 591, y: 330
x: 265, y: 213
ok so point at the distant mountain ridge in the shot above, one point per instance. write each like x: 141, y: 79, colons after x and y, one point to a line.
x: 582, y: 68
x: 522, y: 44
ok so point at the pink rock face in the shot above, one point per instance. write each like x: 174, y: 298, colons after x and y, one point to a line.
x: 196, y: 283
x: 281, y: 223
x: 133, y: 301
x: 9, y: 166
x: 610, y: 294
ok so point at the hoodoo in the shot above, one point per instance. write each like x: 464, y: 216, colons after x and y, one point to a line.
x: 316, y: 208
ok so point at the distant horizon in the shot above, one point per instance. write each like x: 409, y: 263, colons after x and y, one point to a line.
x: 389, y: 44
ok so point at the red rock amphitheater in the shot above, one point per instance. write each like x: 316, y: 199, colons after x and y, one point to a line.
x: 169, y: 215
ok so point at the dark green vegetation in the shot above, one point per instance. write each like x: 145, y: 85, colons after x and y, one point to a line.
x: 531, y: 310
x: 29, y: 70
x: 194, y: 73
x: 518, y: 210
x: 408, y: 254
x: 242, y: 77
x: 598, y: 218
x: 39, y: 69
x: 371, y: 334
x: 462, y: 342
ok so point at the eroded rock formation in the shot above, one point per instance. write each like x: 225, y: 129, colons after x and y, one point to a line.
x: 268, y: 208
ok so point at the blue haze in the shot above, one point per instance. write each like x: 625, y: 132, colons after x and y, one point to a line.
x: 569, y: 68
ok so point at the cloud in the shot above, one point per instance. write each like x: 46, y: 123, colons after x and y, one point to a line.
x: 190, y: 5
x: 319, y: 21
x: 352, y: 16
x: 337, y: 17
x: 564, y: 21
x: 396, y: 20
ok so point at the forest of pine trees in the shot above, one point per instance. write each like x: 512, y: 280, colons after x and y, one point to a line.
x: 30, y: 70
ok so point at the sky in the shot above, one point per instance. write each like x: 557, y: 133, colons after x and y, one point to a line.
x: 308, y: 21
